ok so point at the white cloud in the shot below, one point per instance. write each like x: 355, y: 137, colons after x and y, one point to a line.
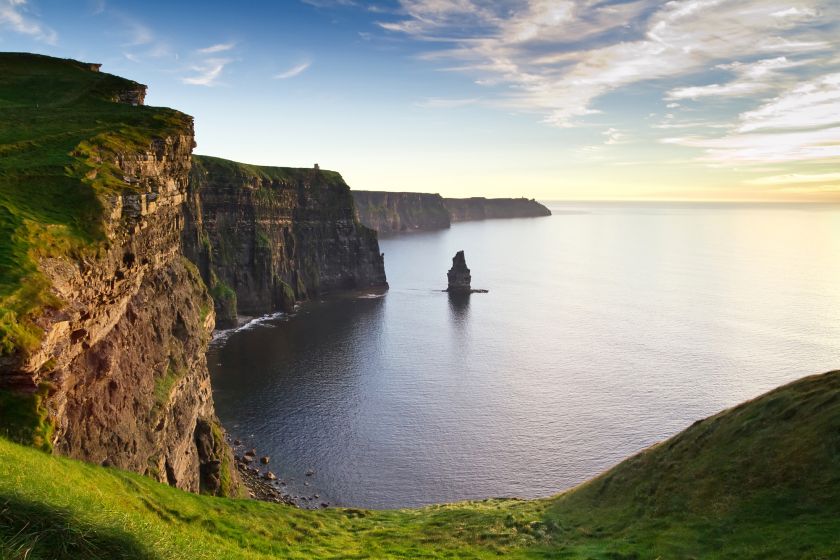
x: 614, y: 136
x: 446, y: 103
x: 14, y: 16
x: 559, y: 57
x: 795, y: 179
x: 207, y: 72
x: 815, y: 103
x: 763, y: 148
x: 217, y: 48
x: 750, y: 78
x: 293, y: 71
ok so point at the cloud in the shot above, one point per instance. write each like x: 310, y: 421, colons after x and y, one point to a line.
x: 14, y: 15
x: 614, y: 136
x: 795, y: 179
x: 217, y: 48
x: 293, y: 71
x: 750, y: 78
x: 207, y: 72
x: 802, y: 123
x: 560, y: 57
x: 329, y: 3
x: 762, y: 148
x: 815, y: 103
x: 446, y: 103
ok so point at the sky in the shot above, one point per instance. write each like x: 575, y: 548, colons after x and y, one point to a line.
x: 552, y: 99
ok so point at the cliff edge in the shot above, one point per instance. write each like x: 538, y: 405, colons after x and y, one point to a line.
x: 103, y: 322
x: 480, y: 208
x: 401, y: 212
x: 398, y: 212
x: 266, y: 237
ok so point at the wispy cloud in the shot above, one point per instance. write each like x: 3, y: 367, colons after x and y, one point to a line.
x: 750, y: 78
x: 207, y: 72
x: 14, y: 15
x: 137, y: 34
x: 446, y: 103
x: 802, y: 123
x: 217, y: 48
x: 795, y: 179
x: 560, y: 57
x: 296, y: 70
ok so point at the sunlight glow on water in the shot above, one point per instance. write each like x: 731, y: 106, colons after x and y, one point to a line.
x: 608, y: 327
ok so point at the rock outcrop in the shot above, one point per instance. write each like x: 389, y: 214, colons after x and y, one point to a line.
x: 480, y: 208
x: 399, y: 212
x: 459, y: 275
x: 266, y: 237
x: 119, y: 375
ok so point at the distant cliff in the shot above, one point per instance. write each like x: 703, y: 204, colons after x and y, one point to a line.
x: 480, y: 208
x: 265, y: 237
x: 398, y: 212
x: 390, y: 212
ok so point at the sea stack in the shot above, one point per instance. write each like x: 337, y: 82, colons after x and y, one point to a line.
x: 459, y: 275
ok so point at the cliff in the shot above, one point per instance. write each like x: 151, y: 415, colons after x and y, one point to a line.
x: 103, y: 322
x: 399, y: 212
x: 760, y: 480
x: 396, y: 212
x: 265, y: 237
x: 479, y: 208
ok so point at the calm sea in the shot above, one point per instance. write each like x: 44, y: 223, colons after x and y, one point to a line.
x: 608, y: 327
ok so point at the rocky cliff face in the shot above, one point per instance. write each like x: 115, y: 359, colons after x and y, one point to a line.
x: 479, y: 208
x: 124, y: 358
x: 397, y: 212
x: 265, y: 237
x: 119, y: 376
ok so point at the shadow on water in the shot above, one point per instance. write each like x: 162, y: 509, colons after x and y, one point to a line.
x: 31, y: 530
x: 459, y: 310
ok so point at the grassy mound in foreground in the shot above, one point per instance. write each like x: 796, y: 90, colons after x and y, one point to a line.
x: 761, y: 480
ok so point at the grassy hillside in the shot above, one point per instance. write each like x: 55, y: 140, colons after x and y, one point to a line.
x: 59, y: 130
x: 761, y: 480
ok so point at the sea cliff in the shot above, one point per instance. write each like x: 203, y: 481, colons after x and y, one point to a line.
x: 266, y: 237
x: 400, y: 212
x: 105, y: 324
x: 396, y: 212
x: 480, y: 208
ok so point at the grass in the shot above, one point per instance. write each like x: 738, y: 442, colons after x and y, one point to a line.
x: 761, y: 480
x: 59, y: 134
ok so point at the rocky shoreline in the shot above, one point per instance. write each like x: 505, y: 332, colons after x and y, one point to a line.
x: 264, y: 485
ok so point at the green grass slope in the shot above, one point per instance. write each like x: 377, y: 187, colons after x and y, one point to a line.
x: 59, y: 131
x: 761, y: 480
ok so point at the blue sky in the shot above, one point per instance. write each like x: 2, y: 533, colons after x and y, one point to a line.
x: 560, y: 99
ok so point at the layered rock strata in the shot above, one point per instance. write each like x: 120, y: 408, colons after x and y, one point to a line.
x: 266, y: 237
x: 399, y: 212
x: 119, y: 376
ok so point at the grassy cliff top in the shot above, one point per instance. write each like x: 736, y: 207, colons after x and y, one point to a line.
x: 219, y: 167
x: 761, y: 480
x: 59, y: 130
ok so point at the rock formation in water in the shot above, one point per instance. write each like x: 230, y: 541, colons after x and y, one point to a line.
x: 397, y: 212
x: 479, y: 208
x: 108, y: 362
x: 459, y: 275
x: 265, y: 237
